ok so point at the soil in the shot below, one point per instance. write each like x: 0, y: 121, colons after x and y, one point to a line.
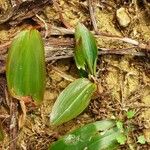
x: 124, y: 80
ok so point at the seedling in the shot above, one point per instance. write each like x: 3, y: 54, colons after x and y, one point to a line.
x: 25, y: 70
x: 76, y: 97
x: 130, y: 114
x: 141, y: 139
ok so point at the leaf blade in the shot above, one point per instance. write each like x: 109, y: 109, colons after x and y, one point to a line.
x: 72, y: 101
x: 88, y: 137
x: 105, y: 141
x: 25, y: 68
x: 85, y: 50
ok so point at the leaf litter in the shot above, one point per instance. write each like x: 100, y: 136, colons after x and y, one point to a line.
x: 125, y: 80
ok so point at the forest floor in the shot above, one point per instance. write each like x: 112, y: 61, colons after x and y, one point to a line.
x: 123, y: 73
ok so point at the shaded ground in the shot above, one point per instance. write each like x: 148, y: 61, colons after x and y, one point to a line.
x: 124, y: 80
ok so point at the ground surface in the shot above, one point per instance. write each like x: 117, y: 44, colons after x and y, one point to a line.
x: 124, y: 80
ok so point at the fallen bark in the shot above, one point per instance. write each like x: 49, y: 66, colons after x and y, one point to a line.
x: 21, y: 10
x: 63, y: 48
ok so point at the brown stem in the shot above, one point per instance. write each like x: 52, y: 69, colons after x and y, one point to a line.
x: 13, y: 124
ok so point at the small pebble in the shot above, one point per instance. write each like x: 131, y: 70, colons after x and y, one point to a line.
x: 123, y: 17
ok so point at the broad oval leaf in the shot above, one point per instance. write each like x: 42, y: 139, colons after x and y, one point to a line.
x: 72, y: 101
x: 85, y: 50
x: 100, y: 135
x: 25, y: 70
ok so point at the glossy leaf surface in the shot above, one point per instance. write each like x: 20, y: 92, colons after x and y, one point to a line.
x: 100, y: 135
x: 72, y: 101
x: 26, y: 66
x: 85, y: 50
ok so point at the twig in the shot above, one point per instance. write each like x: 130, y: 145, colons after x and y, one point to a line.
x: 65, y: 50
x: 60, y: 31
x: 4, y: 116
x: 22, y: 10
x: 56, y: 5
x: 45, y: 24
x: 122, y: 52
x: 64, y: 31
x: 13, y: 124
x: 101, y: 52
x: 92, y: 16
x: 136, y: 106
x: 63, y: 74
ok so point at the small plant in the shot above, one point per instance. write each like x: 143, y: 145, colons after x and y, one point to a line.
x: 126, y: 128
x: 141, y: 139
x: 25, y: 70
x: 76, y: 97
x: 106, y: 134
x: 130, y: 114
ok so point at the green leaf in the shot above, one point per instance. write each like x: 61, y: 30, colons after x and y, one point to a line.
x: 141, y: 139
x: 120, y: 125
x: 130, y: 114
x: 85, y: 50
x: 26, y: 71
x: 100, y: 135
x: 72, y: 101
x: 82, y: 73
x: 121, y: 139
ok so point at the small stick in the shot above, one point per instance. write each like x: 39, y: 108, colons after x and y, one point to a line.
x: 63, y: 74
x: 4, y: 116
x: 13, y: 124
x: 56, y: 5
x: 61, y: 31
x: 68, y: 52
x: 92, y: 16
x: 64, y: 31
x: 45, y: 24
x: 51, y: 53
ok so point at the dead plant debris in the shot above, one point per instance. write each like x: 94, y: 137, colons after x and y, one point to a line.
x: 124, y: 79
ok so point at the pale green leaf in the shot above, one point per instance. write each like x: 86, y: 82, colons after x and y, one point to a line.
x: 72, y: 101
x: 120, y: 125
x: 25, y: 70
x: 141, y: 139
x: 100, y: 135
x: 121, y: 139
x: 85, y: 50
